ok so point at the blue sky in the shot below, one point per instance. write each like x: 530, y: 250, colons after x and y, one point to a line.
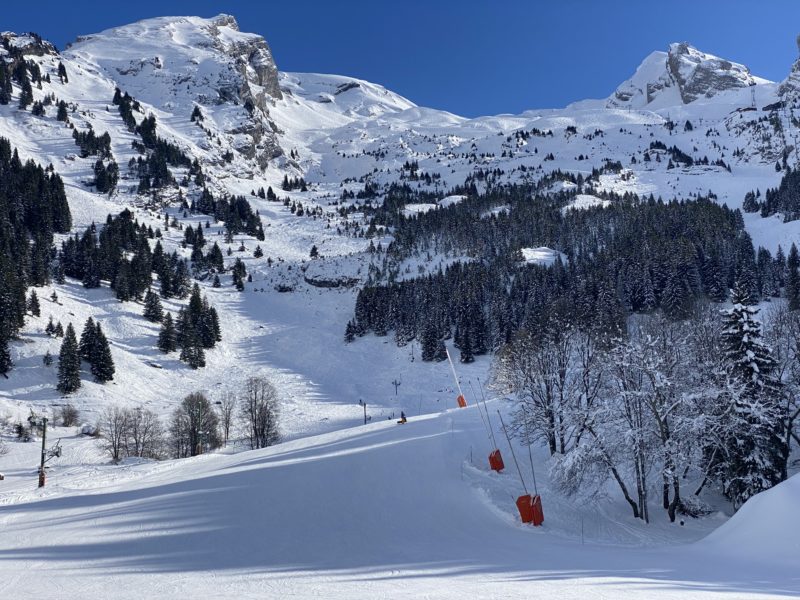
x: 470, y: 57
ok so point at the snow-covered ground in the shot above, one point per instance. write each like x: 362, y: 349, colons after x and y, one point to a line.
x: 376, y: 511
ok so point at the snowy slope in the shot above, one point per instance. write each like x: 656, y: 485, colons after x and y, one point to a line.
x: 387, y: 509
x: 338, y: 133
x: 376, y: 511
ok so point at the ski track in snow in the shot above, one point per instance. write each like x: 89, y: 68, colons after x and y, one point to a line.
x: 375, y: 511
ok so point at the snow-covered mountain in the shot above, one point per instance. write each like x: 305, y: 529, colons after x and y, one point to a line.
x: 342, y: 134
x: 682, y: 75
x: 349, y: 140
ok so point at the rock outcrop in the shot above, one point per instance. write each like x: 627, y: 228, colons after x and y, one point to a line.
x: 682, y: 75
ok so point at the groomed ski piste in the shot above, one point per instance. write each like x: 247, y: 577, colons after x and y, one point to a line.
x: 375, y: 511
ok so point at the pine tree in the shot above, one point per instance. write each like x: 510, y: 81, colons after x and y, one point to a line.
x: 122, y: 282
x: 47, y: 359
x: 675, y: 299
x: 754, y: 451
x: 69, y: 363
x: 430, y: 343
x: 87, y: 343
x: 793, y: 278
x: 50, y: 328
x: 441, y: 352
x: 167, y: 341
x: 102, y: 362
x: 91, y: 276
x: 33, y: 304
x: 5, y: 356
x: 192, y: 352
x: 350, y: 332
x: 466, y: 347
x: 152, y: 307
x: 61, y: 113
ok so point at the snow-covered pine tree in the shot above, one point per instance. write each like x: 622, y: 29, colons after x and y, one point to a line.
x: 69, y: 363
x: 753, y: 452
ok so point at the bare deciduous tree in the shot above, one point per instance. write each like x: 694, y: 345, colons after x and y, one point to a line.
x: 114, y: 425
x: 144, y: 434
x: 259, y: 409
x: 69, y: 415
x: 226, y: 408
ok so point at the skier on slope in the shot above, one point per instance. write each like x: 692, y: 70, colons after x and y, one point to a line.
x: 402, y: 418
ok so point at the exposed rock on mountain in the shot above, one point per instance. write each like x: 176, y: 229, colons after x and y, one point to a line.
x: 174, y: 63
x: 680, y: 76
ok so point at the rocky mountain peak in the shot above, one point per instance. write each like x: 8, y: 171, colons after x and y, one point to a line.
x: 789, y: 88
x: 26, y: 44
x: 681, y: 75
x: 701, y: 75
x: 174, y: 63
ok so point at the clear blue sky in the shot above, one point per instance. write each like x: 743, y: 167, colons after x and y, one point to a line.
x: 467, y: 56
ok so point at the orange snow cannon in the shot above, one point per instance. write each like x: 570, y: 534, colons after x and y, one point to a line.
x: 462, y: 403
x: 530, y: 509
x: 496, y: 461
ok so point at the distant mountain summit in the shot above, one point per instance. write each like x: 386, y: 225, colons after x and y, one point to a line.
x: 179, y: 62
x: 682, y: 75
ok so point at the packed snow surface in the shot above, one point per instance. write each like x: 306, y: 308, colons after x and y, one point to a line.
x: 381, y: 510
x: 542, y: 255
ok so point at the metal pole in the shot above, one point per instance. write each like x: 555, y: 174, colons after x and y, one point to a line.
x: 480, y: 412
x: 528, y: 439
x: 485, y: 408
x: 452, y: 367
x: 44, y: 442
x: 513, y: 455
x: 365, y: 413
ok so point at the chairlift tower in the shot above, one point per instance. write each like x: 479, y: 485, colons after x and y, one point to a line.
x: 47, y: 453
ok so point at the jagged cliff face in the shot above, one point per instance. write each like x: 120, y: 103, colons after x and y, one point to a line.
x: 173, y: 63
x: 701, y: 75
x: 680, y: 76
x: 29, y: 44
x: 789, y: 89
